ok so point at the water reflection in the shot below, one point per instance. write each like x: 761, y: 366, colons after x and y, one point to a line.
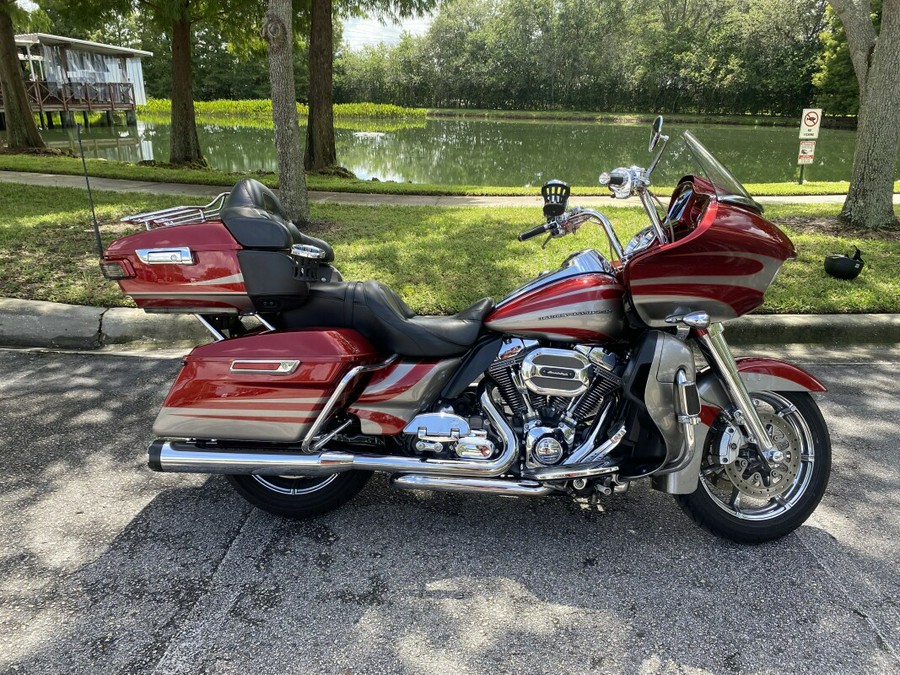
x: 486, y: 152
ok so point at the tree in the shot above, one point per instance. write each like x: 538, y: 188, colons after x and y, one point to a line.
x: 278, y: 34
x: 320, y: 149
x: 876, y: 62
x: 178, y: 19
x: 837, y: 90
x: 21, y: 130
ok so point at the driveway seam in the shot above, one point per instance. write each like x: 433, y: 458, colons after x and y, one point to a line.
x: 854, y: 606
x: 174, y: 641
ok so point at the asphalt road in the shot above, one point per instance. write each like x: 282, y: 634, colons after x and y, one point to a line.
x: 106, y: 567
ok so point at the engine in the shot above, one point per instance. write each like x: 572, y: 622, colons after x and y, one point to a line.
x: 554, y: 392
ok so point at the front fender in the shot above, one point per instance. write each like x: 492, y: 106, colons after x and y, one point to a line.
x: 758, y: 374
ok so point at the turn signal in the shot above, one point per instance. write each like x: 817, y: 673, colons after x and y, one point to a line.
x: 116, y: 269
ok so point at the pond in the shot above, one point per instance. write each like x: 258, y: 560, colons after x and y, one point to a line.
x: 489, y: 152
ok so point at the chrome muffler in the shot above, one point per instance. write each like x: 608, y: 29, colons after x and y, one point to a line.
x: 495, y: 486
x: 190, y: 457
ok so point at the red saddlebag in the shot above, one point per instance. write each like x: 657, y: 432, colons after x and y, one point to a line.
x: 267, y: 387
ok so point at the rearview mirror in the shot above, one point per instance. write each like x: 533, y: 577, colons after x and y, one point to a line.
x: 655, y: 133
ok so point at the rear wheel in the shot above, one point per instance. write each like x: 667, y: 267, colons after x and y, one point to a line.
x: 300, y: 497
x: 746, y: 500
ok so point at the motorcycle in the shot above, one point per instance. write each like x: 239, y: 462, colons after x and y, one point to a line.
x: 580, y: 382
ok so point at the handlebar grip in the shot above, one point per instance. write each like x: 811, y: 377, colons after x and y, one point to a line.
x: 616, y: 180
x: 534, y: 232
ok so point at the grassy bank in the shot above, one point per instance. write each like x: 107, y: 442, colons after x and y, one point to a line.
x: 428, y: 255
x: 165, y: 174
x: 263, y: 108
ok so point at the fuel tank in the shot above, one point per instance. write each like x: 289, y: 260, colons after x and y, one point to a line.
x: 579, y: 302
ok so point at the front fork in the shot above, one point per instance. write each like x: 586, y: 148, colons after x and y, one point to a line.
x: 714, y: 347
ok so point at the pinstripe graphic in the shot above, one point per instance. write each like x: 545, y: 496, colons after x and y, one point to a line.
x: 395, y: 395
x: 230, y: 279
x: 586, y: 307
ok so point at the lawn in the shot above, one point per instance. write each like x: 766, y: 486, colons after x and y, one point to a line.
x: 439, y: 260
x: 166, y: 174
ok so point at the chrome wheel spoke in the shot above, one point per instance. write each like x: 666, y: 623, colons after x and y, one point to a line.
x: 751, y: 492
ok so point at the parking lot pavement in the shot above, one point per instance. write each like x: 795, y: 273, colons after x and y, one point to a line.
x: 106, y: 567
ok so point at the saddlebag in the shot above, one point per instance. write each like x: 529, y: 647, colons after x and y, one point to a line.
x: 267, y: 387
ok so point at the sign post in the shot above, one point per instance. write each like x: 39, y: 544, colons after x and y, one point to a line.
x: 809, y: 132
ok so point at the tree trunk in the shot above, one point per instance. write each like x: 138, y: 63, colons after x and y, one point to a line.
x: 320, y: 153
x: 277, y: 31
x: 185, y: 146
x: 869, y: 202
x: 21, y: 131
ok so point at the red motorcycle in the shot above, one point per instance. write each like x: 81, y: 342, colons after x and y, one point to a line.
x: 577, y: 383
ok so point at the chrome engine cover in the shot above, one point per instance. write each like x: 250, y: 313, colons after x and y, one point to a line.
x: 556, y: 372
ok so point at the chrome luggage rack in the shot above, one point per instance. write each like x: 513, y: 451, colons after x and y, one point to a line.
x: 179, y: 215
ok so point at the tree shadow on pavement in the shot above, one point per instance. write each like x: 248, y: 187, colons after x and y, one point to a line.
x: 172, y: 573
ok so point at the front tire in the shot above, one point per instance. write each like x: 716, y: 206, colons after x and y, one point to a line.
x: 745, y: 504
x: 300, y: 497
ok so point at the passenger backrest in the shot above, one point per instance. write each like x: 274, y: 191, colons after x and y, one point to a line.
x: 255, y: 218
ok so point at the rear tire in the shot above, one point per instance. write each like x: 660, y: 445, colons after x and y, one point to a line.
x: 740, y: 513
x: 300, y: 497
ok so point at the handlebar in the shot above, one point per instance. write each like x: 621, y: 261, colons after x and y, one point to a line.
x: 570, y: 222
x: 615, y: 179
x: 535, y: 231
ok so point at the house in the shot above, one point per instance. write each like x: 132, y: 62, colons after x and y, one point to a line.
x: 64, y: 75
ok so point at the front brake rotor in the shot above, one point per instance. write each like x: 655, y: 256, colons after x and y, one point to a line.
x: 755, y: 480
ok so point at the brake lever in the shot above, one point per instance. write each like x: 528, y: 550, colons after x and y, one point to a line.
x: 546, y: 241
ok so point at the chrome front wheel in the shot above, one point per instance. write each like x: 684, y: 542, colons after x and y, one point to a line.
x: 743, y: 498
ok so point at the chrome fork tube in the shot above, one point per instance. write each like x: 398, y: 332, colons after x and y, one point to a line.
x: 716, y: 350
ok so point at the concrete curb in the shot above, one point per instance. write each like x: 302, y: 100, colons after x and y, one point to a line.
x: 27, y: 323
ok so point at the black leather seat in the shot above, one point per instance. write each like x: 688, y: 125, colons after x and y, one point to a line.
x: 383, y: 318
x: 256, y: 219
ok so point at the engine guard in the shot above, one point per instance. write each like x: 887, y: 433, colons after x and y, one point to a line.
x: 758, y: 374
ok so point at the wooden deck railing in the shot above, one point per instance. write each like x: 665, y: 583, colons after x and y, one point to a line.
x: 71, y: 96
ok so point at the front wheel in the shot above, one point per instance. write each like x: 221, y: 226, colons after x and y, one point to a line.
x: 744, y: 499
x: 300, y: 497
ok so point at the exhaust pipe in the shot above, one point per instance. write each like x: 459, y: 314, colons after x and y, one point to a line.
x: 495, y: 486
x: 188, y: 457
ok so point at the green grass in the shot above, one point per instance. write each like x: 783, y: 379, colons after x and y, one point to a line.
x: 263, y: 108
x: 439, y: 260
x: 165, y: 174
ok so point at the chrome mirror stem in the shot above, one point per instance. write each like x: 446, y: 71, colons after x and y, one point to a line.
x: 650, y: 208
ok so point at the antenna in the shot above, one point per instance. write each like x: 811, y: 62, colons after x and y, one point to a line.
x: 90, y: 194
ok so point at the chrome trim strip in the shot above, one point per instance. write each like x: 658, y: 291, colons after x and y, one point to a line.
x: 285, y: 367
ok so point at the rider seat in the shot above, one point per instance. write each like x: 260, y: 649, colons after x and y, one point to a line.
x: 378, y: 313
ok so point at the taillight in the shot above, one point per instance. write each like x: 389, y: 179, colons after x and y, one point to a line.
x: 116, y: 269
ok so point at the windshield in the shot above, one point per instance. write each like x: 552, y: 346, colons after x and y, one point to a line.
x: 728, y: 188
